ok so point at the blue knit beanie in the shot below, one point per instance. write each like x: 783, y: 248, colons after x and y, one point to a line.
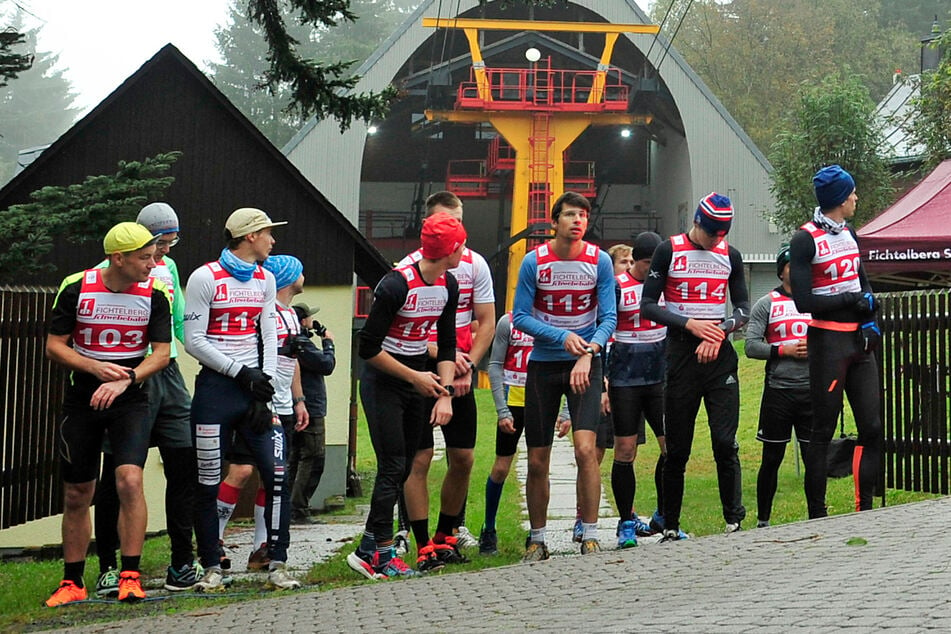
x: 286, y: 269
x: 714, y: 214
x: 833, y: 186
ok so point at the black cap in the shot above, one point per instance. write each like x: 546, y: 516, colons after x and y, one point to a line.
x: 782, y: 259
x: 644, y: 245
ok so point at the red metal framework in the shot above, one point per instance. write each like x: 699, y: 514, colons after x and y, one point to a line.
x: 543, y: 89
x: 579, y: 177
x: 467, y: 178
x: 501, y: 156
x: 483, y: 178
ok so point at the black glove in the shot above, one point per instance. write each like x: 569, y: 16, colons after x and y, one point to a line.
x: 259, y: 418
x: 866, y: 304
x: 256, y: 382
x: 871, y: 336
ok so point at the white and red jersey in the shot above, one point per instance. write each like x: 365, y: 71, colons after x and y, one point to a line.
x: 631, y: 327
x: 697, y: 279
x: 515, y: 366
x: 162, y: 272
x: 409, y: 332
x: 286, y: 326
x: 234, y: 313
x: 835, y: 266
x: 112, y: 326
x: 566, y: 291
x: 786, y: 324
x: 475, y: 287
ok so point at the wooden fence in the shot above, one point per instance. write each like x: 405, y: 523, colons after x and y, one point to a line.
x: 30, y: 398
x: 915, y: 364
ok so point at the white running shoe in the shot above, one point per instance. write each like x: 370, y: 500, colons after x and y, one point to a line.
x: 401, y: 543
x: 465, y: 539
x: 279, y: 579
x: 212, y: 581
x: 732, y: 528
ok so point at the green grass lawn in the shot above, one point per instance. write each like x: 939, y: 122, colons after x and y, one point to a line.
x: 27, y: 584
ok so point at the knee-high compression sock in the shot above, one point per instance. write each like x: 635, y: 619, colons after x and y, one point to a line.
x: 493, y: 495
x: 623, y: 484
x: 767, y: 477
x: 659, y: 480
x: 260, y: 525
x: 227, y: 500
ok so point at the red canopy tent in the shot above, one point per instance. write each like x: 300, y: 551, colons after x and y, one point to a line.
x: 910, y: 242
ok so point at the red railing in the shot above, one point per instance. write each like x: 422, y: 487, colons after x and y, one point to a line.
x: 501, y: 156
x: 544, y: 89
x: 467, y: 178
x: 579, y: 177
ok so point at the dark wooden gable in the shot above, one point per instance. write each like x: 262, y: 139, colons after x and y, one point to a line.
x: 168, y: 104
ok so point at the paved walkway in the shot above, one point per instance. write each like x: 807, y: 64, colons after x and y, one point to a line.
x: 882, y: 570
x: 796, y: 577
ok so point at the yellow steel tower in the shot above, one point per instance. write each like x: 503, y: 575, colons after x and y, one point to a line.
x: 540, y: 112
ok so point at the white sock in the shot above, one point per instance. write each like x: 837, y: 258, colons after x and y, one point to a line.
x: 590, y: 530
x: 260, y: 527
x: 224, y: 515
x: 537, y: 534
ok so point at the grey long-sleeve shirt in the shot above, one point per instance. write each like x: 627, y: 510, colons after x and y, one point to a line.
x: 784, y: 373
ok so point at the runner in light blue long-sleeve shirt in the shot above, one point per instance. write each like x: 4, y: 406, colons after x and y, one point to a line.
x: 565, y: 300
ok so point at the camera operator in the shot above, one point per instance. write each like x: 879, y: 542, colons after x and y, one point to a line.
x: 308, y: 445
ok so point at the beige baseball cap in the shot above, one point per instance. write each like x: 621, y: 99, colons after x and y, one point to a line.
x: 247, y: 220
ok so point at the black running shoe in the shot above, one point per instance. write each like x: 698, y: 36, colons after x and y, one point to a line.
x: 488, y: 542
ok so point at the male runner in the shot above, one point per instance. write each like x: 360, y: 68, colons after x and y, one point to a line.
x: 408, y: 302
x: 169, y: 429
x: 508, y: 367
x: 776, y: 332
x: 828, y: 281
x: 230, y: 327
x: 102, y: 325
x: 635, y: 379
x: 476, y: 302
x: 694, y: 271
x: 565, y: 300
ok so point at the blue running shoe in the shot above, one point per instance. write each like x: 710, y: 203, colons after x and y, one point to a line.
x: 641, y: 528
x: 657, y: 522
x: 396, y: 568
x: 626, y: 535
x: 577, y: 533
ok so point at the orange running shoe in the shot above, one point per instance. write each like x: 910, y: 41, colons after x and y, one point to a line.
x: 130, y: 586
x: 67, y: 592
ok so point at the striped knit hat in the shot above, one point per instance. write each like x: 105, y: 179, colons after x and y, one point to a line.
x: 714, y: 214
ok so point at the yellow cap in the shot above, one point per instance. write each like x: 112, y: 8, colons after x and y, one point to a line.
x: 126, y: 237
x: 248, y: 220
